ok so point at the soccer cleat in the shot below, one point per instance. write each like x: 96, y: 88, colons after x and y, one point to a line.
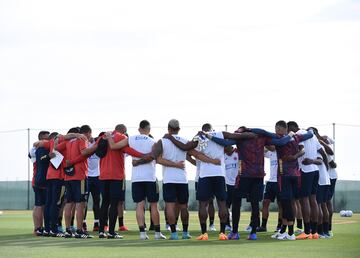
x: 212, y: 227
x: 159, y: 236
x: 56, y: 234
x: 38, y: 232
x: 81, y: 234
x: 186, y: 235
x: 174, y: 236
x: 248, y: 229
x: 114, y: 236
x: 102, y: 235
x: 261, y: 229
x: 315, y: 236
x: 252, y: 236
x: 331, y: 233
x: 275, y: 236
x: 282, y: 236
x: 323, y: 236
x: 60, y: 229
x: 167, y: 226
x: 222, y: 237
x: 45, y: 233
x: 233, y: 236
x: 143, y: 236
x: 69, y: 234
x: 291, y: 238
x: 228, y: 228
x: 87, y: 234
x: 203, y: 237
x: 123, y: 228
x: 303, y: 236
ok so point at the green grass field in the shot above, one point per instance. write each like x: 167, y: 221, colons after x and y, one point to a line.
x: 16, y: 240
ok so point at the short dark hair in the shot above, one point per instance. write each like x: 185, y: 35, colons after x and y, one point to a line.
x: 74, y: 130
x: 281, y: 123
x: 85, y: 129
x: 144, y: 123
x: 53, y: 135
x: 42, y: 134
x: 206, y: 127
x: 121, y: 128
x: 292, y: 124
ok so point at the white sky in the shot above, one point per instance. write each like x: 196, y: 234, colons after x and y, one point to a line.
x: 66, y: 63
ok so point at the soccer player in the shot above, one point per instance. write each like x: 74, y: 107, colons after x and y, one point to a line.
x: 288, y: 178
x: 271, y: 190
x: 94, y: 185
x: 175, y: 182
x: 112, y: 180
x: 41, y: 162
x: 77, y: 152
x: 309, y: 183
x: 231, y: 171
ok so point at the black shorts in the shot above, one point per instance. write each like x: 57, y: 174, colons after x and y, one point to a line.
x: 230, y: 192
x: 40, y: 196
x: 309, y: 183
x: 289, y: 187
x: 176, y: 193
x: 331, y: 189
x: 145, y: 190
x: 250, y: 188
x: 76, y: 191
x: 271, y: 191
x: 112, y: 189
x: 208, y: 187
x: 322, y: 193
x: 94, y: 186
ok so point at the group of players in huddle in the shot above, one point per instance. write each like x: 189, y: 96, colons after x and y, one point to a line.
x: 302, y: 179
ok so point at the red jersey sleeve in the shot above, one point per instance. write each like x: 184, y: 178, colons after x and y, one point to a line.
x: 132, y: 152
x: 61, y: 147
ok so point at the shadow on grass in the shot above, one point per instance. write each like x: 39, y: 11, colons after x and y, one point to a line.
x: 131, y: 241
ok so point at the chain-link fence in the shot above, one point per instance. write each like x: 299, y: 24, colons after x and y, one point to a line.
x: 16, y: 168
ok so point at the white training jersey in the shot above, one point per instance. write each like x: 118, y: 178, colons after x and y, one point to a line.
x: 311, y: 147
x: 324, y: 178
x: 272, y: 155
x: 231, y: 167
x: 93, y: 164
x: 198, y: 164
x: 145, y: 172
x: 173, y: 153
x: 332, y: 171
x: 214, y: 151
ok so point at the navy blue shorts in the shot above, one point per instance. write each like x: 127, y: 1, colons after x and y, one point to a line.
x: 322, y: 193
x: 289, y: 187
x: 230, y: 192
x: 331, y: 189
x: 40, y: 196
x: 271, y: 191
x: 145, y: 190
x: 309, y: 183
x: 112, y: 189
x: 176, y: 193
x: 208, y: 187
x: 250, y: 188
x: 76, y: 191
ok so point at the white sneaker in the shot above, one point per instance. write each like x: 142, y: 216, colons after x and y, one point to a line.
x: 283, y: 236
x: 143, y: 236
x: 159, y: 236
x: 212, y: 227
x: 274, y: 236
x: 292, y: 237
